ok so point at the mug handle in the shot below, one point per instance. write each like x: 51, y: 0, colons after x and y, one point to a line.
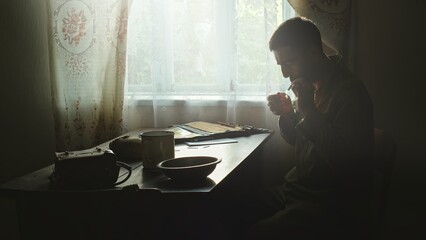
x: 129, y: 171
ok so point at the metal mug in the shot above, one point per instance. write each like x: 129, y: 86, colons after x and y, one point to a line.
x: 156, y: 147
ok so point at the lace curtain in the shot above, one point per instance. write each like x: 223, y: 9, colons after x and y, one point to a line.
x: 120, y: 65
x: 88, y: 61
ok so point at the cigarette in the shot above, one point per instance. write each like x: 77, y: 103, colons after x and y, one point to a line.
x: 290, y: 87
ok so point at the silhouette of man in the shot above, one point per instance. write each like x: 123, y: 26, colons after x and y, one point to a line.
x: 330, y: 124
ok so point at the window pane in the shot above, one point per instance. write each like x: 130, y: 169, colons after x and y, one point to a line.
x: 194, y: 42
x: 209, y: 46
x: 139, y: 44
x: 257, y: 19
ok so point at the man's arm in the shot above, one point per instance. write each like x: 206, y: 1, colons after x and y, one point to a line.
x: 344, y: 138
x: 287, y: 124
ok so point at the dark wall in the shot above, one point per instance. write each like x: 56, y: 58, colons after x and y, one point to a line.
x: 26, y: 112
x: 391, y: 51
x: 26, y: 119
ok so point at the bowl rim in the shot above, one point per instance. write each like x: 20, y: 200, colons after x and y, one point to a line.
x: 218, y: 160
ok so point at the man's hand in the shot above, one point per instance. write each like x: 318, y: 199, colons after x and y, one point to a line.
x: 304, y: 92
x: 280, y: 103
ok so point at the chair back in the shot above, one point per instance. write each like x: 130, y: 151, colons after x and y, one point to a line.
x: 384, y: 160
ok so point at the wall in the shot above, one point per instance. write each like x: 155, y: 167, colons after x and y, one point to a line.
x: 391, y: 50
x: 26, y: 120
x: 26, y: 123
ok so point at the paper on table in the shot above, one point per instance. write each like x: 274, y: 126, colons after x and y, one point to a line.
x: 182, y: 133
x: 212, y: 142
x: 212, y: 127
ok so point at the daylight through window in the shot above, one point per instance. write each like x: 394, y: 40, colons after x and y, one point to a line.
x: 203, y: 47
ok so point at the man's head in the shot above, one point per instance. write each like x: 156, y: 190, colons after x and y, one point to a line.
x: 297, y: 32
x: 297, y: 47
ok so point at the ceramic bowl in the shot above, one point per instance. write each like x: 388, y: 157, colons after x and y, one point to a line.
x: 189, y: 168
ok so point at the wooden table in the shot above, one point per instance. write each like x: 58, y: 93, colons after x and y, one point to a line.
x: 234, y: 156
x: 159, y: 209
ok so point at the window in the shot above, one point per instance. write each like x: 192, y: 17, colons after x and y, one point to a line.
x: 203, y: 47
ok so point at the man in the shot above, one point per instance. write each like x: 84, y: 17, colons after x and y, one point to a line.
x: 330, y: 124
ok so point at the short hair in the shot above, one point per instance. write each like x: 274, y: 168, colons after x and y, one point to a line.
x: 298, y: 32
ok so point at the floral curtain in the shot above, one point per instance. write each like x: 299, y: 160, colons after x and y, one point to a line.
x: 88, y: 61
x: 334, y: 20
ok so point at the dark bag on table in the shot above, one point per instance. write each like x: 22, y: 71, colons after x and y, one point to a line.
x: 87, y: 169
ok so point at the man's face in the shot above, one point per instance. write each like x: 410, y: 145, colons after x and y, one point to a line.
x: 294, y: 64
